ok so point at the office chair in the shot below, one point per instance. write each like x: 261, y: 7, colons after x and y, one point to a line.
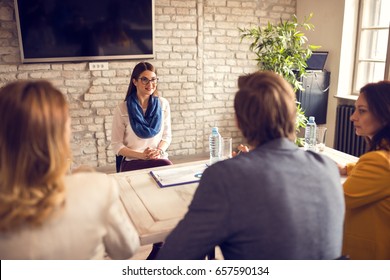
x: 118, y: 161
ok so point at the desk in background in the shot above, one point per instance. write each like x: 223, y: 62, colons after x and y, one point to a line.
x: 155, y: 211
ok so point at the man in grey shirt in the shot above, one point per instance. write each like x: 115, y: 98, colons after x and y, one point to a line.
x: 274, y: 202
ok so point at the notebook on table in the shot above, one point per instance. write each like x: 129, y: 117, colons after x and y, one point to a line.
x: 176, y: 176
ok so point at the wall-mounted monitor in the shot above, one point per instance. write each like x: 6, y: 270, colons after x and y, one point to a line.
x: 85, y: 30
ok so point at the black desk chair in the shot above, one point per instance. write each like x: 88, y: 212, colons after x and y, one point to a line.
x: 118, y: 161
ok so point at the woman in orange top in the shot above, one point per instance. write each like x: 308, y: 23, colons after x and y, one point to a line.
x: 367, y: 188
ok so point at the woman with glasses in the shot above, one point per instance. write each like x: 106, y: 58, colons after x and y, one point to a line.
x: 141, y: 126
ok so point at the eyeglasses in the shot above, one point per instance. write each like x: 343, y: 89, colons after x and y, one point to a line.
x: 146, y: 81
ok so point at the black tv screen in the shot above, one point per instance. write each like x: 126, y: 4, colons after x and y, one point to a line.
x: 85, y: 30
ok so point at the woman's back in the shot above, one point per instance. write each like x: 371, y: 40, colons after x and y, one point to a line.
x: 91, y: 223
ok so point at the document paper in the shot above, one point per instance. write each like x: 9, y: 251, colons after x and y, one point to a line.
x: 178, y: 175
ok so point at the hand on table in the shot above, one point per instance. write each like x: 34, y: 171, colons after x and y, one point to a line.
x: 342, y: 169
x: 240, y: 149
x: 150, y: 153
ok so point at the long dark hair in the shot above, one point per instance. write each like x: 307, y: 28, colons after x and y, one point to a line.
x: 377, y: 96
x: 138, y: 69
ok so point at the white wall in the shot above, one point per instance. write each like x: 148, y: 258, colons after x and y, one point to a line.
x: 328, y: 22
x: 334, y: 22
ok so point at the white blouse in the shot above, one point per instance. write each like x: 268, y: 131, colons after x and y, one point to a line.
x: 123, y: 135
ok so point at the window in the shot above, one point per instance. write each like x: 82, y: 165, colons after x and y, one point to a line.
x: 373, y: 52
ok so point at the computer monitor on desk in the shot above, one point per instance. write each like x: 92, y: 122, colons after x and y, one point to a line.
x: 316, y: 63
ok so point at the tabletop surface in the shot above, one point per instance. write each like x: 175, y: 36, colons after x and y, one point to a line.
x: 155, y: 211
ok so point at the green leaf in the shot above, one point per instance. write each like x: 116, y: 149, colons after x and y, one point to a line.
x: 282, y: 48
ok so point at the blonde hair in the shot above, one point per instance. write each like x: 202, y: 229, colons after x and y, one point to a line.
x: 34, y: 153
x: 265, y: 108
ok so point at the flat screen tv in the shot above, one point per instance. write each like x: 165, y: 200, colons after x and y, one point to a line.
x: 85, y: 30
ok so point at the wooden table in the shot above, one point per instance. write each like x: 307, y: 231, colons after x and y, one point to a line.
x: 339, y: 157
x: 156, y: 211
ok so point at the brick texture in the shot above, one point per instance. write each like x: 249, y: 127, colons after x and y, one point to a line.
x: 199, y: 57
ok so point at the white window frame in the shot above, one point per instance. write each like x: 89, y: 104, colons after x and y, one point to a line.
x: 359, y: 59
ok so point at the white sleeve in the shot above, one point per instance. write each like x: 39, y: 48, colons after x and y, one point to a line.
x: 121, y: 240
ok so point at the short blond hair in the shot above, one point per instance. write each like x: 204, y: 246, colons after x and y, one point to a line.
x: 265, y: 107
x: 34, y: 152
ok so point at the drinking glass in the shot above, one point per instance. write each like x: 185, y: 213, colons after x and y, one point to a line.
x: 226, y: 151
x: 321, y: 136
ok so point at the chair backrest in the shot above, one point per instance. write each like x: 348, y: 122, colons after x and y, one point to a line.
x: 118, y: 161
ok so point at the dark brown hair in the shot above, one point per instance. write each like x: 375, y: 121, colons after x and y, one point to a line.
x: 377, y: 96
x: 138, y: 69
x: 265, y: 108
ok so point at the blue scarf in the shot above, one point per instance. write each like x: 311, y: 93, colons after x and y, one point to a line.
x: 148, y: 125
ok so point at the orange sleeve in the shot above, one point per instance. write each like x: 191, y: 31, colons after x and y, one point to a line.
x: 350, y: 166
x: 369, y: 180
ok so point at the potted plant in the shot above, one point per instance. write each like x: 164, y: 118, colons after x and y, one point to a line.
x: 283, y: 48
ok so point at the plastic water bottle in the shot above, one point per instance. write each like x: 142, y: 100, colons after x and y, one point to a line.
x: 310, y: 134
x: 215, y: 145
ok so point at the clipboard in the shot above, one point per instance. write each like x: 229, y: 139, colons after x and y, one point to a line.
x: 176, y: 176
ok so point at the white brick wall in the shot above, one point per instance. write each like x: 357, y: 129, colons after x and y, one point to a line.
x: 198, y: 56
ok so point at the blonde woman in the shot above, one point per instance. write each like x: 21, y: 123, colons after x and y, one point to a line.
x: 44, y: 213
